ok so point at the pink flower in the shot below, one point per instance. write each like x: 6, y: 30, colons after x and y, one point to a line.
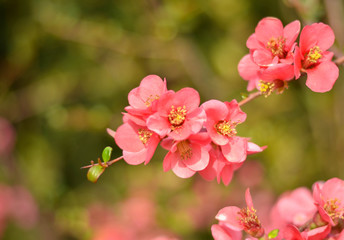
x: 187, y: 156
x: 178, y: 115
x: 271, y: 49
x: 137, y: 142
x: 242, y: 219
x: 271, y: 41
x: 294, y: 207
x: 329, y: 198
x: 313, y: 58
x: 142, y: 100
x: 222, y: 118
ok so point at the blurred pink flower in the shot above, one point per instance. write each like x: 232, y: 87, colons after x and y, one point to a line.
x: 255, y: 170
x: 329, y: 199
x: 187, y: 156
x: 178, y: 115
x: 313, y: 58
x: 242, y: 219
x: 295, y: 207
x: 222, y: 232
x: 17, y: 203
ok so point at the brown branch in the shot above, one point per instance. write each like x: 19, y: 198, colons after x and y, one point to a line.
x: 107, y: 164
x: 339, y: 60
x: 249, y: 98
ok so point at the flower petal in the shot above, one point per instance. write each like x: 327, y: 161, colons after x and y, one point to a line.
x: 159, y: 125
x: 268, y: 28
x: 229, y: 216
x: 235, y: 150
x: 317, y: 34
x: 322, y: 77
x: 290, y: 32
x: 128, y: 139
x: 280, y: 71
x: 199, y: 159
x: 135, y: 158
x: 248, y: 70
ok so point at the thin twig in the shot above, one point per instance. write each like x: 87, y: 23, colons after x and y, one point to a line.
x: 107, y: 164
x: 339, y: 60
x: 249, y: 98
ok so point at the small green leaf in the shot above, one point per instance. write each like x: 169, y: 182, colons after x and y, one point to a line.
x: 94, y: 173
x: 244, y: 95
x: 107, y: 154
x: 273, y: 233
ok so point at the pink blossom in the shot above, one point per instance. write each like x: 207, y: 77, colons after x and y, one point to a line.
x: 242, y: 219
x: 142, y: 100
x: 137, y: 142
x: 313, y: 58
x: 329, y: 198
x: 222, y: 119
x: 271, y: 49
x: 295, y: 207
x: 178, y: 115
x: 187, y: 156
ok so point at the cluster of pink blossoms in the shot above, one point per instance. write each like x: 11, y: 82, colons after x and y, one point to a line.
x: 298, y: 215
x: 275, y: 58
x: 198, y: 138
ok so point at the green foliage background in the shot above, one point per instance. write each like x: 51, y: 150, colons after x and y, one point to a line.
x: 66, y: 68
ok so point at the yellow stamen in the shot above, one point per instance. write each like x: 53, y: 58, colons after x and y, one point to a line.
x: 150, y: 99
x: 226, y: 128
x: 332, y: 207
x: 314, y: 54
x: 177, y: 116
x: 144, y: 135
x: 266, y: 88
x: 276, y: 46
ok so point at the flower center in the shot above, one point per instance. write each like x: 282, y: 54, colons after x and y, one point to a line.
x: 151, y: 99
x: 184, y: 150
x: 177, y: 116
x: 266, y: 88
x: 226, y: 128
x: 312, y: 57
x: 276, y: 46
x: 144, y: 135
x: 248, y: 219
x: 334, y: 209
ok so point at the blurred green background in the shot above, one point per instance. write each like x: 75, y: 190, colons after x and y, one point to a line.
x: 66, y: 68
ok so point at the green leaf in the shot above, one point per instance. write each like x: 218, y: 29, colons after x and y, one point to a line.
x: 107, y: 154
x: 94, y: 173
x: 273, y: 233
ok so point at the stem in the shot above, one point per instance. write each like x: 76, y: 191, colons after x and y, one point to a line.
x: 249, y: 98
x: 109, y: 163
x: 339, y: 61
